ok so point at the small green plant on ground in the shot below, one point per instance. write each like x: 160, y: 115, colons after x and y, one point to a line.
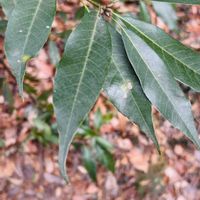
x: 134, y: 62
x: 96, y: 149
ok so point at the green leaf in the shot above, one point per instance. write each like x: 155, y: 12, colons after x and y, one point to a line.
x: 98, y: 119
x: 159, y: 84
x: 106, y: 158
x: 144, y: 13
x: 86, y: 131
x: 123, y: 89
x: 8, y: 6
x: 8, y: 95
x: 167, y: 13
x: 42, y: 126
x: 80, y: 77
x: 43, y: 132
x: 27, y: 31
x: 54, y: 53
x: 80, y: 13
x: 180, y: 60
x: 104, y: 144
x: 2, y: 143
x: 89, y: 163
x: 3, y: 25
x: 181, y: 1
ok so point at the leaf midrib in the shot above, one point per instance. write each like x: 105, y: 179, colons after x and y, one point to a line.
x: 82, y: 72
x: 26, y: 41
x: 163, y: 49
x: 157, y: 82
x: 31, y: 25
x: 179, y: 2
x: 133, y: 98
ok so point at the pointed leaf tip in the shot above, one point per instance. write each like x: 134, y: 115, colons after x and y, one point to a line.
x: 124, y: 90
x: 80, y: 73
x: 21, y: 38
x: 159, y: 85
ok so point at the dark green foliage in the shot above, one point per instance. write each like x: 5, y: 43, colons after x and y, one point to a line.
x: 136, y: 63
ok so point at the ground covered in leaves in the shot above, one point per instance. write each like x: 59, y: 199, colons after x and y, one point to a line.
x: 28, y: 136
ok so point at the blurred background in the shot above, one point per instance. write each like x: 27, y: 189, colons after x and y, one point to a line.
x: 110, y: 158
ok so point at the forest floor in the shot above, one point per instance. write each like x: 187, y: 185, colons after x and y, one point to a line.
x: 29, y: 163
